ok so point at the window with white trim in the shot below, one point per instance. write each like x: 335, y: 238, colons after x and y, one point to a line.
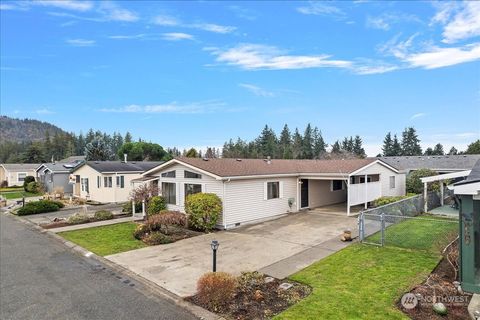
x: 192, y: 175
x: 120, y: 182
x: 191, y: 188
x: 392, y: 182
x: 84, y: 183
x: 169, y: 174
x: 99, y: 182
x: 273, y: 190
x: 107, y: 182
x: 21, y: 176
x: 337, y: 185
x: 169, y: 192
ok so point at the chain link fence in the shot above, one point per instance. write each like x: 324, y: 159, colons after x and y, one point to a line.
x: 419, y: 233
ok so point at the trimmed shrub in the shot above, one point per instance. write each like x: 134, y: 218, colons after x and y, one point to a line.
x: 35, y: 207
x: 203, y: 211
x: 78, y: 218
x: 103, y: 215
x: 26, y: 181
x: 216, y: 289
x: 33, y: 187
x: 127, y: 207
x: 4, y: 184
x: 140, y: 231
x: 415, y: 185
x: 156, y: 205
x: 161, y: 222
x: 60, y: 204
x: 156, y: 238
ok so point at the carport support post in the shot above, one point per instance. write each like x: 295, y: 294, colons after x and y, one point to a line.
x: 425, y: 197
x: 144, y: 214
x: 366, y: 193
x: 441, y: 193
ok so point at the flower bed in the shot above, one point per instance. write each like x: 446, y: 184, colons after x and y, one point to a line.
x: 255, y: 296
x: 82, y: 219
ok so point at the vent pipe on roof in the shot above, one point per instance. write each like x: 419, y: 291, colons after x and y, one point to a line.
x: 269, y: 160
x: 125, y: 157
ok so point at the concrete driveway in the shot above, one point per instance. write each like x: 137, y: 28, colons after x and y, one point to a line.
x: 278, y: 248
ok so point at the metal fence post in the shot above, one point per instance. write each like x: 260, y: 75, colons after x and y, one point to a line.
x: 361, y: 226
x: 382, y: 229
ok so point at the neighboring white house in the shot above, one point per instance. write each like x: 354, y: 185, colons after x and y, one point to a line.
x: 107, y: 181
x: 256, y: 189
x: 14, y: 173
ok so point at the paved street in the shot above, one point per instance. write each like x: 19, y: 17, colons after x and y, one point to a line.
x: 41, y: 279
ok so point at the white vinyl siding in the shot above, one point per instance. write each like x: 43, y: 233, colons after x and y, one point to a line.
x: 392, y: 182
x: 385, y: 174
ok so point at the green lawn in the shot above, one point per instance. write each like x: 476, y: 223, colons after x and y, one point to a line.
x: 360, y: 282
x: 365, y: 281
x: 106, y: 240
x: 18, y: 194
x: 427, y: 233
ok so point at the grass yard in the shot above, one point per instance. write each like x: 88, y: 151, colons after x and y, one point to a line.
x: 360, y: 282
x: 106, y: 240
x: 365, y: 281
x: 18, y: 194
x: 421, y: 234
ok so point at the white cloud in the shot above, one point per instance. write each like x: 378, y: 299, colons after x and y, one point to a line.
x: 65, y: 4
x: 80, y: 42
x: 465, y: 23
x: 257, y: 90
x: 176, y: 36
x: 113, y: 12
x: 128, y: 37
x: 374, y: 68
x: 169, y: 21
x: 378, y: 23
x: 44, y: 111
x: 173, y: 107
x: 418, y: 115
x: 322, y: 9
x: 386, y: 20
x: 437, y: 57
x: 255, y: 56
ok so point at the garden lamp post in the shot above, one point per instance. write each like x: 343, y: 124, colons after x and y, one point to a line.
x: 214, y: 246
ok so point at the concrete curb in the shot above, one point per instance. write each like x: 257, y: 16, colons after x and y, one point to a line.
x: 155, y: 289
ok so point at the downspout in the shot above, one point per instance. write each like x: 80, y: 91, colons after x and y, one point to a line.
x: 224, y: 204
x: 115, y: 188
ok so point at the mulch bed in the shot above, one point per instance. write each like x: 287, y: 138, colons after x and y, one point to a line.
x: 63, y: 222
x: 439, y: 284
x: 259, y: 299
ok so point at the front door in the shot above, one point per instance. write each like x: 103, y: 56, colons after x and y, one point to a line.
x: 304, y: 193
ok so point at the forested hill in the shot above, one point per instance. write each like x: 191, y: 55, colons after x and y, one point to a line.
x: 23, y: 130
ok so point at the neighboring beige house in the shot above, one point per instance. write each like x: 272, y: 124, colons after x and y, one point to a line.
x: 14, y: 173
x: 255, y: 189
x: 107, y: 181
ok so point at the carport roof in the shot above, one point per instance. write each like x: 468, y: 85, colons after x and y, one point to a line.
x: 223, y: 167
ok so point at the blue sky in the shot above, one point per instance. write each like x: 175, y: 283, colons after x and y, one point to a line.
x: 197, y: 73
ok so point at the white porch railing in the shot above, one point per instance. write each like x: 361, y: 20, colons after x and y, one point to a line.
x: 361, y: 193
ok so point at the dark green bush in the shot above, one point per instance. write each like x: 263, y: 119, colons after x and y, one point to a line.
x: 103, y: 215
x: 35, y: 207
x: 203, y: 210
x: 156, y: 237
x: 140, y: 231
x: 415, y: 185
x: 60, y: 204
x: 78, y: 218
x: 156, y: 205
x: 127, y: 207
x: 26, y: 181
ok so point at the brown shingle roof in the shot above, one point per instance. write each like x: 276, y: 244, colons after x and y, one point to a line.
x: 249, y: 167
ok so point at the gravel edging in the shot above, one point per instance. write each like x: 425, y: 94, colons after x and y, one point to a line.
x: 197, y: 311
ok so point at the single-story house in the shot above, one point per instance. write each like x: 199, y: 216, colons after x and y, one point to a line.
x: 107, y: 181
x: 57, y: 175
x: 14, y: 173
x: 440, y: 164
x: 468, y: 191
x: 256, y: 189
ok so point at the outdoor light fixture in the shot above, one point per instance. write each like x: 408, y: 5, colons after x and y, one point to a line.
x: 214, y: 246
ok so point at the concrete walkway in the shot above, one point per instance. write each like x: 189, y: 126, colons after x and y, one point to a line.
x: 279, y: 248
x: 92, y: 224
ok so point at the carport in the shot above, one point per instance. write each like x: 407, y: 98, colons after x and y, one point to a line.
x: 442, y: 178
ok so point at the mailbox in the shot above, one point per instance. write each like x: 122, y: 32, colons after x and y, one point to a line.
x: 470, y: 243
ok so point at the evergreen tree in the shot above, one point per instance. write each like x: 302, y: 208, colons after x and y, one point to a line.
x: 34, y: 153
x: 410, y: 143
x: 473, y: 148
x: 396, y: 147
x: 336, y: 148
x: 285, y: 144
x: 307, y: 143
x: 438, y: 150
x: 128, y: 137
x: 297, y: 145
x: 428, y: 151
x: 267, y: 142
x: 319, y: 145
x: 98, y: 150
x: 358, y: 148
x: 453, y: 151
x: 191, y: 153
x: 387, y: 148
